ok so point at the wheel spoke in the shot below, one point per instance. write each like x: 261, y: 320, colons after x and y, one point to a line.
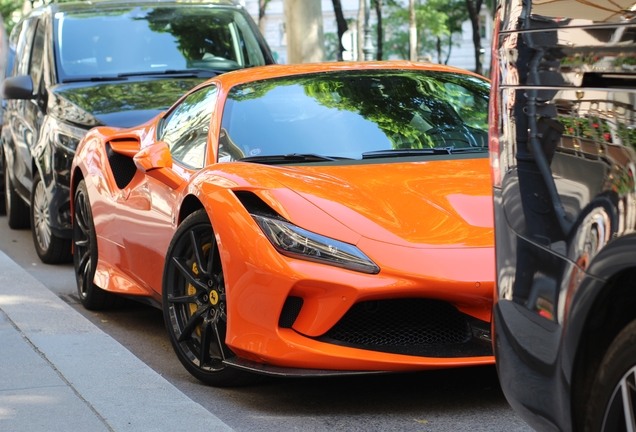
x: 183, y: 299
x: 193, y: 322
x: 211, y: 254
x: 628, y: 387
x: 206, y: 337
x: 186, y: 272
x: 81, y: 217
x: 198, y: 253
x: 219, y: 342
x: 84, y: 261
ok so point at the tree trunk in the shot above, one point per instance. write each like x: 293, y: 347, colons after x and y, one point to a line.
x: 342, y: 25
x: 378, y: 12
x: 305, y: 38
x: 450, y: 48
x: 439, y: 50
x: 474, y: 7
x: 360, y: 30
x: 413, y: 32
x: 262, y: 5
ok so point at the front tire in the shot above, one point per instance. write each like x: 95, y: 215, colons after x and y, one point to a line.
x: 194, y: 304
x: 50, y: 248
x: 15, y: 207
x: 612, y: 403
x: 91, y: 296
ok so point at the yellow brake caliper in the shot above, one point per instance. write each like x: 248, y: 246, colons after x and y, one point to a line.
x: 191, y: 289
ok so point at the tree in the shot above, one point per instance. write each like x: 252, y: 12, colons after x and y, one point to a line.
x: 456, y: 13
x: 305, y: 38
x: 380, y: 35
x: 341, y: 24
x: 262, y: 6
x: 412, y: 31
x: 430, y: 22
x: 474, y: 7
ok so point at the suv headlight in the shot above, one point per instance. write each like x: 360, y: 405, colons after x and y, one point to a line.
x: 295, y: 242
x: 66, y: 136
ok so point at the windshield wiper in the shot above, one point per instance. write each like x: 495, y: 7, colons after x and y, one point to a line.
x: 421, y: 152
x: 469, y: 150
x: 94, y: 79
x: 290, y: 158
x: 190, y: 72
x: 405, y: 152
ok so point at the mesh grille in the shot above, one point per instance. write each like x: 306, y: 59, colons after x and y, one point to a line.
x: 123, y: 167
x: 290, y: 312
x: 401, y: 323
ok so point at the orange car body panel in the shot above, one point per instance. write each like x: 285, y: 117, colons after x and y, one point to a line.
x: 429, y: 229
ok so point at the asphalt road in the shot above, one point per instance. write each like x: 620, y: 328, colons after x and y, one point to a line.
x: 468, y: 399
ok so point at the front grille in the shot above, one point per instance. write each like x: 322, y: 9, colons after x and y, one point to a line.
x: 123, y: 167
x: 398, y: 323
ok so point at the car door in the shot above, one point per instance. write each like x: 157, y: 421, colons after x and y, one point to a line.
x: 150, y: 211
x: 19, y: 133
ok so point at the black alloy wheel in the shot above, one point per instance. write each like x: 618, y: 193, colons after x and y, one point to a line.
x: 16, y: 209
x: 194, y: 304
x: 85, y: 254
x: 612, y: 404
x: 50, y: 248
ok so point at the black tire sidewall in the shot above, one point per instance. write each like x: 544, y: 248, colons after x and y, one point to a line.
x: 618, y: 360
x: 91, y: 298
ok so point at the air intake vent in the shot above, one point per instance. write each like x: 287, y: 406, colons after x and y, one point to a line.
x: 123, y: 167
x: 415, y: 326
x: 290, y: 312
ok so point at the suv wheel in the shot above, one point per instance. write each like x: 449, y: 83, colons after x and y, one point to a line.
x: 50, y: 248
x: 17, y: 210
x: 612, y: 402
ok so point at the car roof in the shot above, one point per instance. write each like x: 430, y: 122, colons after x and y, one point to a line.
x: 108, y: 4
x: 274, y: 71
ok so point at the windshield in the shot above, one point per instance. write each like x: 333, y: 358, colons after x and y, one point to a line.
x: 154, y: 40
x: 348, y: 114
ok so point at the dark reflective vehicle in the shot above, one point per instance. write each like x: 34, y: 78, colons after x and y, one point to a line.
x: 79, y: 65
x: 563, y: 140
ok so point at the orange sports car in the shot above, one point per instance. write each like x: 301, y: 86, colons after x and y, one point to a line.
x: 300, y: 220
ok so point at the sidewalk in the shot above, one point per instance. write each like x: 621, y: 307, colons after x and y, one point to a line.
x: 59, y: 372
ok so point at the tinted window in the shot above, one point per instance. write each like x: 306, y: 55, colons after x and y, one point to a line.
x: 24, y: 32
x: 153, y: 39
x: 346, y: 114
x: 37, y: 55
x: 185, y: 130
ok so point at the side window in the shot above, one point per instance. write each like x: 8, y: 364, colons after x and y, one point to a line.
x: 23, y: 50
x: 37, y: 55
x: 185, y: 130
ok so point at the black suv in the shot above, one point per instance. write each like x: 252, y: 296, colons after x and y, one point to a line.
x: 79, y: 65
x: 562, y: 141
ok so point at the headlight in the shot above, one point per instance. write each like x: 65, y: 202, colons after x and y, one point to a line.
x: 295, y: 242
x: 67, y: 136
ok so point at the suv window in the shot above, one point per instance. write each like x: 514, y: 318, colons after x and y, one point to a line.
x: 154, y: 40
x: 23, y: 49
x: 37, y: 55
x: 185, y: 130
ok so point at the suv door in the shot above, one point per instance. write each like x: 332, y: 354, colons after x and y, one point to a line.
x: 16, y: 137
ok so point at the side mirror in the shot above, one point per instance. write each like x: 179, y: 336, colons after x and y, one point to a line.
x: 18, y: 87
x: 156, y: 161
x: 154, y: 156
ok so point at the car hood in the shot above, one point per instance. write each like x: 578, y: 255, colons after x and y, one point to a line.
x: 119, y: 104
x: 418, y: 204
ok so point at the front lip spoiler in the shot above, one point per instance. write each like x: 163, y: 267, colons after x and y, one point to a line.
x: 265, y: 369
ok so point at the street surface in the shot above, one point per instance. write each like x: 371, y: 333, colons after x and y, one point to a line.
x: 466, y: 399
